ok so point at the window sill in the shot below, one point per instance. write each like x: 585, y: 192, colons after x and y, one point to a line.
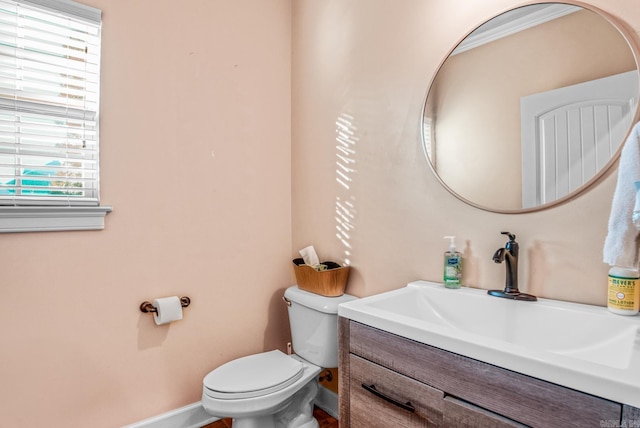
x: 51, y: 219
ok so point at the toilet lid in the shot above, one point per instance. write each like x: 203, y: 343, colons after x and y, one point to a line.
x: 253, y: 376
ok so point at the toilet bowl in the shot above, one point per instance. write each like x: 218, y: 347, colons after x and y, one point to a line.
x: 273, y: 389
x: 254, y: 390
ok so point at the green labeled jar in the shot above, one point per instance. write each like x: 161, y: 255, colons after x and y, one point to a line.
x: 624, y: 291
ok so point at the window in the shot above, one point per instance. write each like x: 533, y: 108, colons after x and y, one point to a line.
x: 49, y: 100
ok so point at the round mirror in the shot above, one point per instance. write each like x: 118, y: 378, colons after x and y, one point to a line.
x: 531, y: 108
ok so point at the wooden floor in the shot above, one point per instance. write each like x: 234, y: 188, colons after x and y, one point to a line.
x: 324, y: 420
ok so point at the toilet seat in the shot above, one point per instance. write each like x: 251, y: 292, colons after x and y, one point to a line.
x: 253, y: 376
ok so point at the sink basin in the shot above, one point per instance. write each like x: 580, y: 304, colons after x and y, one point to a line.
x: 579, y: 346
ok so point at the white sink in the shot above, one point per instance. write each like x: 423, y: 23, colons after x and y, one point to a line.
x: 578, y: 346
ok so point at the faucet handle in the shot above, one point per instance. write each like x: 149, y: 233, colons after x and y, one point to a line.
x: 512, y: 237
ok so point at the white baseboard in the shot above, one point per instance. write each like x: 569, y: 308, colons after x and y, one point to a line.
x: 189, y: 416
x: 194, y: 416
x: 327, y: 400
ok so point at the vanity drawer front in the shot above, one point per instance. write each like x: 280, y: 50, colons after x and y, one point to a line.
x: 519, y: 397
x: 461, y: 414
x: 372, y: 390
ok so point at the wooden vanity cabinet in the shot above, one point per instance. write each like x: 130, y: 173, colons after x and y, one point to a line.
x: 390, y: 381
x: 381, y: 397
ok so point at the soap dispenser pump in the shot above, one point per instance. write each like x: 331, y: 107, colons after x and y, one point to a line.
x: 452, y: 265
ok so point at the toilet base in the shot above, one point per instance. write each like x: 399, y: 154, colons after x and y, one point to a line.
x: 264, y: 423
x: 254, y: 422
x: 298, y: 413
x: 268, y: 422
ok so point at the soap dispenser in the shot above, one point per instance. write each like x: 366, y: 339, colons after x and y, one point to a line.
x: 452, y: 265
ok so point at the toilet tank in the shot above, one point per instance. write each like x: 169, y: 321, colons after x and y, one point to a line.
x: 314, y: 325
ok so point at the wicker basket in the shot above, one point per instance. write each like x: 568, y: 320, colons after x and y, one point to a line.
x: 330, y: 282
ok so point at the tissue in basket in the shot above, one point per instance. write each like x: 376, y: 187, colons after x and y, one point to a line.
x: 330, y: 282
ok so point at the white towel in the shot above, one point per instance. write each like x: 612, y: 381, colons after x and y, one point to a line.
x: 621, y: 244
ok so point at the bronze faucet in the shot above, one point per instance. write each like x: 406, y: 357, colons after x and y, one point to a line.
x: 509, y: 255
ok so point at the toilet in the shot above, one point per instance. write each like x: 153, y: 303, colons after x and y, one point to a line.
x: 273, y: 389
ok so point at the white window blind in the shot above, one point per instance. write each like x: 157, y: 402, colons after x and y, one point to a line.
x: 49, y: 98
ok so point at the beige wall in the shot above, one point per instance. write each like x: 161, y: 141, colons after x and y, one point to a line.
x: 195, y: 136
x: 199, y: 91
x: 371, y: 61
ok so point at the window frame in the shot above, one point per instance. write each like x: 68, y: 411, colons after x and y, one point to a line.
x: 51, y: 216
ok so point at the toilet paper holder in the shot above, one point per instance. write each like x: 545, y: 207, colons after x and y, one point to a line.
x: 147, y: 307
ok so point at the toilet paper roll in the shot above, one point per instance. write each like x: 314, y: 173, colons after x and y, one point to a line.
x: 169, y: 309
